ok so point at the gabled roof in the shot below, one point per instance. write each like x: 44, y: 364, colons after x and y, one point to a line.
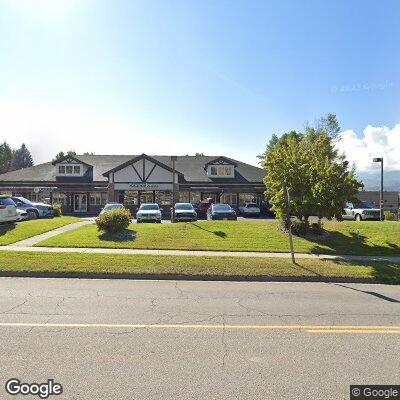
x: 191, y: 169
x: 141, y: 157
x: 221, y: 160
x: 69, y: 157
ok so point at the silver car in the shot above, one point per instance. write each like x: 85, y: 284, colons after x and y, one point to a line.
x: 34, y: 210
x: 184, y: 212
x: 111, y: 206
x: 8, y: 210
x: 22, y: 215
x: 361, y: 211
x: 148, y: 212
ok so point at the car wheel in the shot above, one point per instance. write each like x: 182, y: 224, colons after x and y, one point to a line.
x: 32, y: 214
x: 358, y: 217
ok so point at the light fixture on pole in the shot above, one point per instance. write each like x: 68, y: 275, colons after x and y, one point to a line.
x: 380, y: 159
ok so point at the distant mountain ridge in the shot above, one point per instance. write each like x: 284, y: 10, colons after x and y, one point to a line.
x: 372, y: 180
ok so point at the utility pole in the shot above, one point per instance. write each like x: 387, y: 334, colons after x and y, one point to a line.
x: 288, y: 220
x: 173, y: 159
x: 380, y: 159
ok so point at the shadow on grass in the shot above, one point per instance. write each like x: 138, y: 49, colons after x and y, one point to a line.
x: 355, y: 244
x: 127, y: 235
x: 5, y: 228
x: 220, y: 234
x: 382, y: 271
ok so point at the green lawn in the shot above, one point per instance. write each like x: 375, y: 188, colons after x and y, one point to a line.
x: 191, y: 266
x: 11, y: 233
x: 360, y: 238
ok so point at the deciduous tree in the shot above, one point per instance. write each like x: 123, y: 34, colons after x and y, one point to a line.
x: 319, y: 179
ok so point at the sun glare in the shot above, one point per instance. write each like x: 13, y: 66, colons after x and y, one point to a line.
x: 44, y: 7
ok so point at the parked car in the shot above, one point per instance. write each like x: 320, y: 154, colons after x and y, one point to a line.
x: 34, y: 210
x: 8, y: 210
x: 221, y: 211
x: 110, y: 206
x: 361, y: 211
x: 203, y: 207
x: 248, y: 209
x: 22, y: 215
x: 148, y: 212
x: 184, y: 212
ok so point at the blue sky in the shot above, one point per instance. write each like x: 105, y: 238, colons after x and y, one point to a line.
x: 219, y: 77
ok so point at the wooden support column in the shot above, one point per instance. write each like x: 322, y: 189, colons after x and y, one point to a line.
x: 110, y: 193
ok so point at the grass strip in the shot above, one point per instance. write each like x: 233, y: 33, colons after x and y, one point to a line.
x: 11, y: 233
x: 84, y: 263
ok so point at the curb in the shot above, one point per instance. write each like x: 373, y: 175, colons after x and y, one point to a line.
x: 180, y: 277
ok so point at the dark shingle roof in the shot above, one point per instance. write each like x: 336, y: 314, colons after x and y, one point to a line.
x: 192, y: 167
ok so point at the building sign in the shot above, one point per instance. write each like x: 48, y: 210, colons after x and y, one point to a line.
x: 143, y: 186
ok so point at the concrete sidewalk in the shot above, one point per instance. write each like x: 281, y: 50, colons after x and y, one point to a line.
x: 38, y: 238
x: 195, y: 253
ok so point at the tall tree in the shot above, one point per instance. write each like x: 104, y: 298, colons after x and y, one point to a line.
x: 318, y: 177
x: 61, y: 155
x: 21, y: 158
x: 5, y: 157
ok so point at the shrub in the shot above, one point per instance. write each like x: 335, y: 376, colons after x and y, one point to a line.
x: 114, y: 221
x: 57, y: 210
x: 316, y: 228
x: 390, y: 216
x: 300, y: 228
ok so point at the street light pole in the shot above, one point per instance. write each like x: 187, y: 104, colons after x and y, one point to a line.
x: 380, y: 159
x: 173, y: 159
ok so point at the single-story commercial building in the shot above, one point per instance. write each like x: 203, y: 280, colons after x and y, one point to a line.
x: 373, y: 197
x: 84, y: 183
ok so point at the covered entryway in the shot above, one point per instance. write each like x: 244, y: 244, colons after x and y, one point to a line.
x: 143, y: 180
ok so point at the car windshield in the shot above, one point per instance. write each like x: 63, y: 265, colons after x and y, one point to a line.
x: 24, y: 200
x: 363, y: 204
x: 111, y: 206
x: 222, y: 207
x: 149, y: 207
x: 183, y: 206
x: 252, y: 205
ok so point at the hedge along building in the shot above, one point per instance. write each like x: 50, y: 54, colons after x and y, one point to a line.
x: 84, y: 183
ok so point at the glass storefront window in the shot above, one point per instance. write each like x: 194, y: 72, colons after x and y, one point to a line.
x: 60, y: 198
x: 212, y: 196
x: 164, y: 197
x: 195, y: 197
x: 184, y: 197
x: 131, y: 197
x: 146, y: 196
x: 98, y: 198
x: 247, y: 197
x: 229, y: 198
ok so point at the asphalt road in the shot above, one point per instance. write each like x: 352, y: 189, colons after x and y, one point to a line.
x: 198, y: 340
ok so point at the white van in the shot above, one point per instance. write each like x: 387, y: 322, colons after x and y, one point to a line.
x: 8, y: 210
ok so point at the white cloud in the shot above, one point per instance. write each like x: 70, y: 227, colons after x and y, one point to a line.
x: 377, y: 141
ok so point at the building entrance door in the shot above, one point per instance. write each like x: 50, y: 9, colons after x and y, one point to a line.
x: 80, y: 202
